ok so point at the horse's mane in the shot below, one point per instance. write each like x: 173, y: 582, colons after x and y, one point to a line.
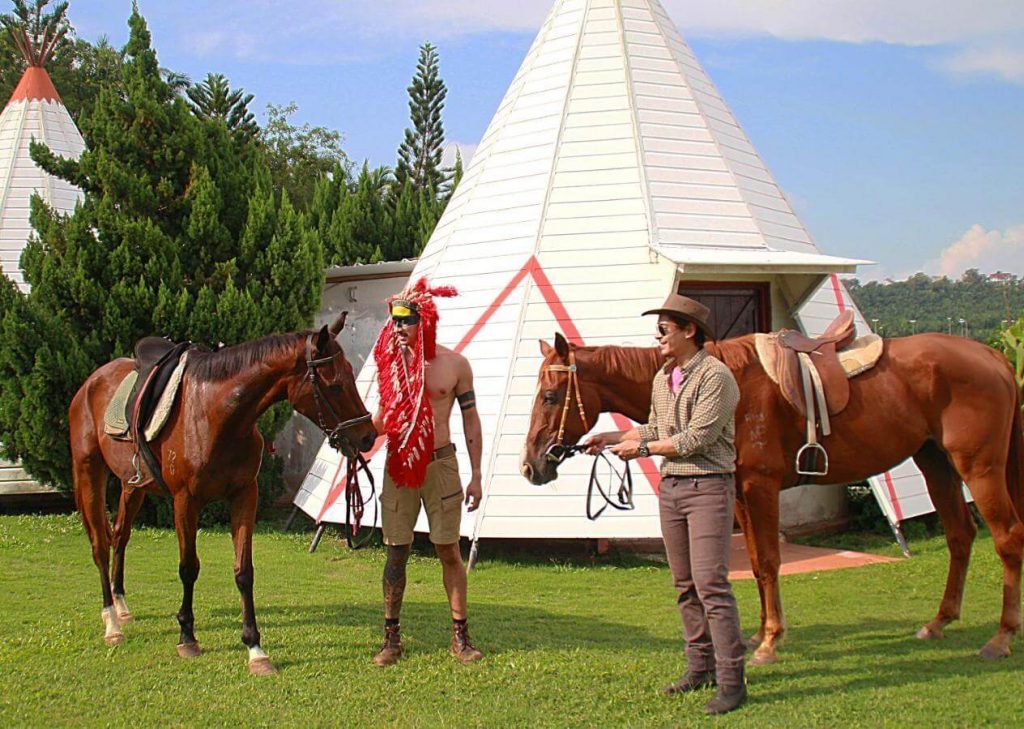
x: 632, y: 362
x: 736, y: 353
x: 207, y: 366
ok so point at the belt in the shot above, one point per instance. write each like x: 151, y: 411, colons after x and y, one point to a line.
x: 444, y: 452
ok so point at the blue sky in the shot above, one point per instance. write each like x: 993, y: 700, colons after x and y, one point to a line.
x: 896, y: 127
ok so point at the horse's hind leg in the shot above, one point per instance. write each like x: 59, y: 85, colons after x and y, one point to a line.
x: 243, y: 517
x: 186, y: 523
x: 128, y: 509
x: 945, y: 491
x: 90, y: 477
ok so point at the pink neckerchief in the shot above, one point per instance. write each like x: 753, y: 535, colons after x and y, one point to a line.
x: 677, y: 379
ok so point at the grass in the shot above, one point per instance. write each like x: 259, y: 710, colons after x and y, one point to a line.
x: 567, y: 643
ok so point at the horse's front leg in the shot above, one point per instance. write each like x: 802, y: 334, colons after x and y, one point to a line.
x: 186, y: 523
x: 762, y: 497
x: 243, y: 518
x: 743, y: 519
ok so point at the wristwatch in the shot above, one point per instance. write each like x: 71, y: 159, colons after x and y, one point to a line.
x: 643, y: 450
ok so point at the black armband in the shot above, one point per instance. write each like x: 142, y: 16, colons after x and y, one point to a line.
x: 467, y: 400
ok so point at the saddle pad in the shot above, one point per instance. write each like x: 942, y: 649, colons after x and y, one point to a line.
x: 163, y: 407
x: 114, y: 421
x: 862, y: 354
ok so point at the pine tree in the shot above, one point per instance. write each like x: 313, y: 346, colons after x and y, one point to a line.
x: 214, y: 99
x: 419, y: 156
x: 180, y: 233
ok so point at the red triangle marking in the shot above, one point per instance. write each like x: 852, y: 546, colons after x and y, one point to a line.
x: 562, y: 318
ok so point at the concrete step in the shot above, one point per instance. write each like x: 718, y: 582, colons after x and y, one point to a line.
x: 24, y: 488
x: 13, y: 473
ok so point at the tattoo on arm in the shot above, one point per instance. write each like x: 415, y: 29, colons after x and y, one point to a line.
x: 394, y: 580
x: 467, y: 400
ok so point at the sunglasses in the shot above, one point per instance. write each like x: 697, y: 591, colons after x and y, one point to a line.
x: 405, y: 321
x: 664, y: 330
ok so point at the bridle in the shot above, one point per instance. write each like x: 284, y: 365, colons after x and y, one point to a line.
x: 557, y: 452
x: 336, y: 436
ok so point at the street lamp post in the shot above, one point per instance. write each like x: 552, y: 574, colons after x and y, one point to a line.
x: 963, y: 327
x: 913, y: 326
x: 949, y: 325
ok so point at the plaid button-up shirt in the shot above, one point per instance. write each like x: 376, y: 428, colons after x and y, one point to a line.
x: 700, y: 419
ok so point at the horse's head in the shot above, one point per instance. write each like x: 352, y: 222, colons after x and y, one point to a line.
x: 565, y: 408
x: 327, y: 394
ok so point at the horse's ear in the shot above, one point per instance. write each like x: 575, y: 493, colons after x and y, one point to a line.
x: 323, y: 338
x: 338, y: 324
x: 545, y: 348
x: 561, y: 345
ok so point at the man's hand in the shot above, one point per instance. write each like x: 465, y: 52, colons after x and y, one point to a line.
x: 627, y: 450
x: 599, y: 441
x: 474, y: 493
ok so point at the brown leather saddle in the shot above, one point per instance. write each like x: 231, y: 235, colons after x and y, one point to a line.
x: 155, y: 361
x: 822, y: 353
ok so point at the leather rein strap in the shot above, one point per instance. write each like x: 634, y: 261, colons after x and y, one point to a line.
x: 355, y: 503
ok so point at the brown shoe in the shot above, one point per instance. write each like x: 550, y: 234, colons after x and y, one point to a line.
x: 691, y: 681
x: 391, y: 649
x: 462, y: 648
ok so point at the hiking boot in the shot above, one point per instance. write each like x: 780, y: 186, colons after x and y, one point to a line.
x: 391, y: 649
x: 462, y: 648
x: 726, y: 699
x: 691, y: 681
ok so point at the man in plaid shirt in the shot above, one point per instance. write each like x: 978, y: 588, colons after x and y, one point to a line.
x: 692, y: 425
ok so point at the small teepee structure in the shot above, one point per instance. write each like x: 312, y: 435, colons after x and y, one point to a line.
x: 611, y: 173
x: 34, y: 112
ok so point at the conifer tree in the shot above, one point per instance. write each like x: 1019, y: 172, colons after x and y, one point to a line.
x: 215, y: 99
x: 419, y: 156
x: 179, y: 233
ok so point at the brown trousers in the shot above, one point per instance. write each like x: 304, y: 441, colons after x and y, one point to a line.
x: 696, y: 524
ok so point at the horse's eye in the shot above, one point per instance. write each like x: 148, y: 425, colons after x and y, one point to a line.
x: 334, y: 390
x: 549, y: 397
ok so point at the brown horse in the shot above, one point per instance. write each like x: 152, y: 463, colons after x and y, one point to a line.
x: 950, y: 403
x: 209, y: 449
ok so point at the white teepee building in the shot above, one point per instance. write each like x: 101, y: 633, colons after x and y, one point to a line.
x: 612, y: 172
x: 34, y: 112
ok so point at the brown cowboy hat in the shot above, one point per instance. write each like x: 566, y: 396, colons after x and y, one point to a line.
x: 686, y: 308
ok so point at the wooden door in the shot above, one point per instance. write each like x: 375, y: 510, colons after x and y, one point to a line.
x: 736, y: 308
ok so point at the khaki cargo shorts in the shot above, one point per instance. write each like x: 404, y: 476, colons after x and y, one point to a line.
x: 441, y: 495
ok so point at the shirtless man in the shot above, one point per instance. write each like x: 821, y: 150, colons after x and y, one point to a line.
x: 419, y: 383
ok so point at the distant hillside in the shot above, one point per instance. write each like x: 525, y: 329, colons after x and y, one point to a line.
x: 926, y: 304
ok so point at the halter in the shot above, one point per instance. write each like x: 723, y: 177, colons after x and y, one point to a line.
x: 336, y: 435
x: 558, y: 451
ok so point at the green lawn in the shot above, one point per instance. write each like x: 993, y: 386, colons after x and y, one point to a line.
x: 567, y: 644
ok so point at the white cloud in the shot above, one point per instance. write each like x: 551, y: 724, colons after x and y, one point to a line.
x: 987, y: 250
x: 1004, y: 62
x: 467, y: 151
x: 983, y: 35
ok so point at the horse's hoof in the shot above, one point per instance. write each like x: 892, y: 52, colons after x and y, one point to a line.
x: 762, y: 658
x: 929, y: 633
x: 993, y: 652
x: 189, y: 650
x: 261, y: 667
x: 114, y: 639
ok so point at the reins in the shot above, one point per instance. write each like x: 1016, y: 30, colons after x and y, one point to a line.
x: 558, y: 452
x: 355, y: 503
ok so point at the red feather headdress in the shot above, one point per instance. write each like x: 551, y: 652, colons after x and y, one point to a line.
x: 408, y: 417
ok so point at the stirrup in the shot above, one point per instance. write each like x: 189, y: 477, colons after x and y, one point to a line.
x: 814, y: 448
x: 137, y: 478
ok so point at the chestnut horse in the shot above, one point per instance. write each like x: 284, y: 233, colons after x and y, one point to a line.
x: 209, y: 449
x: 950, y: 403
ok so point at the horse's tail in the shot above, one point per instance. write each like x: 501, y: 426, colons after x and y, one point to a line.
x: 1015, y: 459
